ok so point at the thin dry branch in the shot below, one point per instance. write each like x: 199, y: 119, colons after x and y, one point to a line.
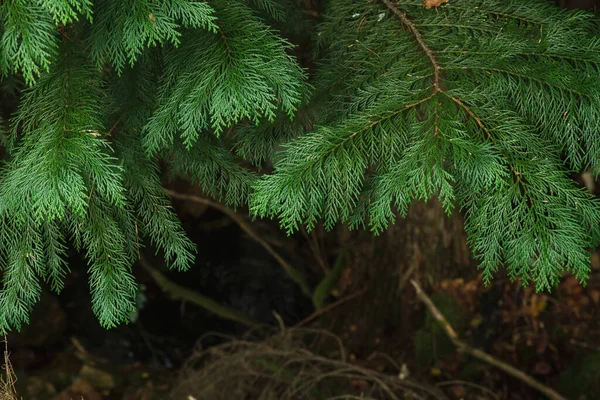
x: 330, y: 307
x: 314, y: 247
x: 293, y: 273
x: 288, y: 368
x: 479, y: 354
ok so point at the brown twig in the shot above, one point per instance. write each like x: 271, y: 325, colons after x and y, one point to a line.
x: 314, y: 247
x: 288, y: 369
x: 419, y: 38
x: 330, y: 307
x: 471, y: 114
x: 112, y: 128
x: 84, y: 355
x: 293, y: 273
x: 479, y: 354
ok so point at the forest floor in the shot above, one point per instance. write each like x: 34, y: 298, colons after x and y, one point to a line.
x: 552, y: 337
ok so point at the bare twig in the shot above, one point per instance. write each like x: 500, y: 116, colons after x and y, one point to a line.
x: 293, y: 273
x: 323, y: 289
x: 584, y: 345
x: 479, y: 354
x: 329, y: 307
x: 386, y: 357
x: 288, y: 369
x: 84, y: 355
x: 406, y: 276
x: 314, y: 247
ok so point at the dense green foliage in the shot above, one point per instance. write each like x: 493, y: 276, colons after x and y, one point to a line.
x: 487, y: 105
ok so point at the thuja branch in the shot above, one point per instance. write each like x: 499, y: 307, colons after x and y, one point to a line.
x: 436, y: 75
x: 434, y: 63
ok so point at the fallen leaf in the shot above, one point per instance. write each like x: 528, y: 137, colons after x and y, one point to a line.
x: 145, y: 393
x: 433, y: 3
x: 37, y: 387
x: 476, y: 321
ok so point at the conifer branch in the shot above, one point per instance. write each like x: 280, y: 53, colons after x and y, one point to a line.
x: 484, y: 104
x: 519, y: 75
x: 470, y: 112
x: 492, y: 143
x: 496, y: 13
x: 372, y: 124
x: 523, y: 53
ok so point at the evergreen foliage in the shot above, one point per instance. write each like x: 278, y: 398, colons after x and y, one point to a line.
x: 85, y: 140
x: 487, y: 105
